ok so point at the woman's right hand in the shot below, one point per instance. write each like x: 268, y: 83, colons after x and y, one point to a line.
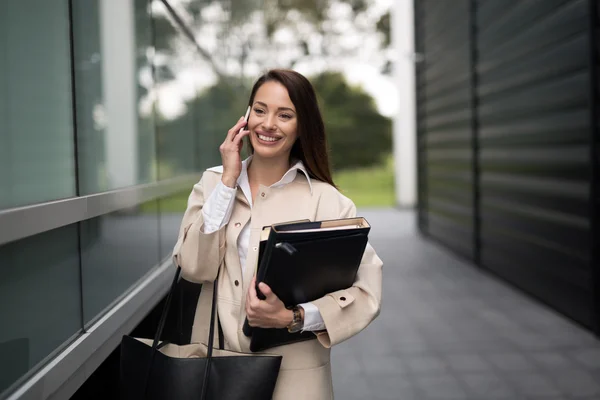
x: 231, y: 153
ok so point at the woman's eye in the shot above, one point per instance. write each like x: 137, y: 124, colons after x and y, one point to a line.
x: 258, y: 111
x: 286, y: 116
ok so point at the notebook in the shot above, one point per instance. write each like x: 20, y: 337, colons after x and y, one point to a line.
x: 304, y: 261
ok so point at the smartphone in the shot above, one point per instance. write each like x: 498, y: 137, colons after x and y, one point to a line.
x: 246, y: 119
x: 246, y: 142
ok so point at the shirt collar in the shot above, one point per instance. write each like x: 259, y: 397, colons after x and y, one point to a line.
x: 290, y: 175
x: 287, y: 178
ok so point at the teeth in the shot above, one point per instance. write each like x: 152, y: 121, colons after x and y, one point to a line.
x: 268, y: 138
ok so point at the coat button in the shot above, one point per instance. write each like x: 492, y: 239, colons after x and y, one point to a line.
x: 342, y: 298
x: 237, y: 283
x: 262, y: 194
x: 237, y: 224
x: 255, y: 248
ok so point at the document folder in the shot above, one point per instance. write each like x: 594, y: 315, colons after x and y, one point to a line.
x: 304, y: 261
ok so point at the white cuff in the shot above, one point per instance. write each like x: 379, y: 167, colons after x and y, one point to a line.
x: 312, y: 318
x: 218, y: 208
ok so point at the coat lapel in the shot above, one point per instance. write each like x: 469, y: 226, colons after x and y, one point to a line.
x: 240, y: 197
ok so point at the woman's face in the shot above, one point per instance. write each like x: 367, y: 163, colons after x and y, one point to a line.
x: 273, y: 122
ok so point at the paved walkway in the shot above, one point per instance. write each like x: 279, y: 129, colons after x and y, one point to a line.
x: 450, y: 331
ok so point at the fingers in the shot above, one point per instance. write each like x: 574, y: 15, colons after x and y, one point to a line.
x: 240, y: 136
x: 266, y: 290
x: 235, y: 129
x: 257, y: 310
x: 264, y: 314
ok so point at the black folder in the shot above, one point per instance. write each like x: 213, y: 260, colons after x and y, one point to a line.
x: 304, y: 261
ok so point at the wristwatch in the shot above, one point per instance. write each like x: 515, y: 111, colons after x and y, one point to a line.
x: 298, y: 322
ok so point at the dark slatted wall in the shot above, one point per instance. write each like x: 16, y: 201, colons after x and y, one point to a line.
x: 419, y: 11
x: 508, y: 157
x: 444, y: 117
x: 595, y: 121
x: 534, y: 159
x: 420, y: 66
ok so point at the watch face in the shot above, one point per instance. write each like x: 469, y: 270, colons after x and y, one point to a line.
x: 295, y: 327
x: 297, y: 323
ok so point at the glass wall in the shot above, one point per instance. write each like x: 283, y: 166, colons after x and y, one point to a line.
x: 113, y: 82
x: 177, y: 72
x: 116, y: 250
x: 36, y: 130
x: 97, y: 98
x: 113, y: 52
x: 40, y: 299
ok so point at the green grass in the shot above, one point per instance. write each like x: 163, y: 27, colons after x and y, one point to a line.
x: 367, y: 187
x: 173, y: 204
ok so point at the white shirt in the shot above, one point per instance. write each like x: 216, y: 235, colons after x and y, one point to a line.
x: 217, y: 211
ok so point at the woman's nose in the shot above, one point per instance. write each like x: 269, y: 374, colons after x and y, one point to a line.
x: 269, y: 122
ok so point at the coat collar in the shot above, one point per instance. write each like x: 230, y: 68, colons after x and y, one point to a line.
x: 287, y: 178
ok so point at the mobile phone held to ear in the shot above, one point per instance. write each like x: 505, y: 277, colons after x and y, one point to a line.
x: 246, y: 119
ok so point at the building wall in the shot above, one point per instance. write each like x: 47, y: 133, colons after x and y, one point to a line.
x: 444, y: 118
x: 100, y: 146
x: 595, y: 121
x: 507, y: 142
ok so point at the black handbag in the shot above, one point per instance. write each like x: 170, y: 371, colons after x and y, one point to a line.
x: 152, y: 370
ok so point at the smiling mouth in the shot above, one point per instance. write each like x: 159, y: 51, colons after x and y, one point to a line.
x: 270, y: 139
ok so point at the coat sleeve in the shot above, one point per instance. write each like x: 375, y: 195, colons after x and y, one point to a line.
x: 349, y: 311
x: 198, y: 254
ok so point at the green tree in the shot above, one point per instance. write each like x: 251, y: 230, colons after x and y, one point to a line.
x: 358, y: 135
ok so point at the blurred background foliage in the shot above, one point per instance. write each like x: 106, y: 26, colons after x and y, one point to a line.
x: 358, y: 135
x: 360, y: 138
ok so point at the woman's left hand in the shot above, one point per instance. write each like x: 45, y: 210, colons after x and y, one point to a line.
x: 267, y: 313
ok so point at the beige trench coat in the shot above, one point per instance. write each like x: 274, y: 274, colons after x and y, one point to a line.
x: 305, y: 370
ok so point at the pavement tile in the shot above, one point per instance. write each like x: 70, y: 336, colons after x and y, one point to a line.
x: 449, y: 331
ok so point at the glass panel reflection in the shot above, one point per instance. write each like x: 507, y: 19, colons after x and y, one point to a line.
x: 36, y: 132
x: 117, y: 250
x: 113, y: 83
x: 180, y: 74
x: 40, y: 295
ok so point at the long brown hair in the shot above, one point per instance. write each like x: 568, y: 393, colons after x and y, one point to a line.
x: 311, y: 146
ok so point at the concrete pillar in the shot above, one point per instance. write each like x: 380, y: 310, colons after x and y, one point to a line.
x: 404, y: 124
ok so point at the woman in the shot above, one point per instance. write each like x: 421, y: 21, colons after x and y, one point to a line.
x: 287, y: 178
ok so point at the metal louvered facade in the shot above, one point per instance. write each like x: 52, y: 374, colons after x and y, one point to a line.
x: 444, y: 118
x: 594, y: 28
x: 508, y: 142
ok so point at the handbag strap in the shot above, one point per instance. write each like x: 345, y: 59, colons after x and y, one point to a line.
x: 213, y: 315
x: 211, y: 335
x: 163, y: 317
x: 211, y: 339
x: 159, y: 331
